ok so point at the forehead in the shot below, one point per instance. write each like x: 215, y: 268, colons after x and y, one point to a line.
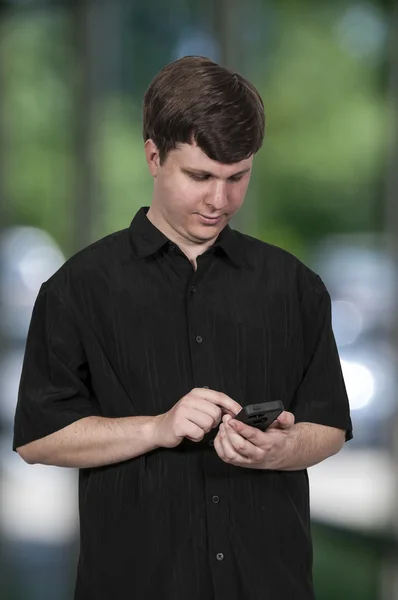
x: 190, y: 156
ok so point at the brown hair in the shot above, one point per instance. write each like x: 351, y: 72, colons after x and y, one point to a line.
x: 194, y: 99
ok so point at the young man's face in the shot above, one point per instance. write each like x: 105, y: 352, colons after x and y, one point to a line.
x: 190, y: 184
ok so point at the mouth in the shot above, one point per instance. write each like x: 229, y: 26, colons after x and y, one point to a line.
x: 210, y: 220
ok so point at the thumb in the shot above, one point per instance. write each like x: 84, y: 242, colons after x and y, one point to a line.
x: 285, y: 420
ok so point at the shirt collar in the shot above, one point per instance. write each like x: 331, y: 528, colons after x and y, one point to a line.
x: 148, y: 239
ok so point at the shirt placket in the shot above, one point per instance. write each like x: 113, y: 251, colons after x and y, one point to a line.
x: 216, y: 506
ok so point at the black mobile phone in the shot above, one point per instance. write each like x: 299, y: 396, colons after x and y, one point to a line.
x: 260, y: 415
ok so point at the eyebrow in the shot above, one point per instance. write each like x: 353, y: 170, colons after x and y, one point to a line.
x: 203, y: 172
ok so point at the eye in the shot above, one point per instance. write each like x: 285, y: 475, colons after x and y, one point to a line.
x: 236, y: 178
x: 199, y: 177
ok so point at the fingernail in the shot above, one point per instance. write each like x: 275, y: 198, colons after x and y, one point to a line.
x: 232, y: 424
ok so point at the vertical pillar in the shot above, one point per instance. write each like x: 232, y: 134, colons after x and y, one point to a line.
x: 390, y: 573
x: 4, y: 211
x: 225, y: 26
x: 90, y: 46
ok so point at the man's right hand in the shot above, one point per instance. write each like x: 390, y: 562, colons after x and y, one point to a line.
x: 194, y: 415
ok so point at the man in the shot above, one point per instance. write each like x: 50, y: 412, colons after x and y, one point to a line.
x: 143, y: 347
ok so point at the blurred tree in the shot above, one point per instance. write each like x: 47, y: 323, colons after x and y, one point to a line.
x: 326, y: 134
x: 322, y: 162
x: 38, y: 105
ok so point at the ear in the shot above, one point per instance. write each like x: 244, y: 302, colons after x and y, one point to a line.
x: 152, y: 157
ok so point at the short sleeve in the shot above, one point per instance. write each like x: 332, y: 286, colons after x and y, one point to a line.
x: 54, y: 389
x: 321, y: 396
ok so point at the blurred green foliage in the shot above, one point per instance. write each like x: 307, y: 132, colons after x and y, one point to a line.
x: 321, y: 167
x: 38, y: 108
x: 326, y: 135
x: 346, y: 566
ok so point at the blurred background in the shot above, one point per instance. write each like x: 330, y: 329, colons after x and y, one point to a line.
x: 324, y: 187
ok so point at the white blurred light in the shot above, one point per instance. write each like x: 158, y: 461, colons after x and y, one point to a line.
x: 359, y: 382
x: 37, y: 265
x: 359, y: 271
x: 347, y: 322
x: 362, y: 30
x: 29, y: 257
x: 10, y: 374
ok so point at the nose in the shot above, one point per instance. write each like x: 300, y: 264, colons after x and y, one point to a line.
x: 220, y: 196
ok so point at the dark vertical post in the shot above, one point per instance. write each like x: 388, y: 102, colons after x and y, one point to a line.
x: 390, y: 572
x: 391, y: 200
x: 90, y: 45
x: 225, y: 27
x: 4, y: 211
x: 4, y: 200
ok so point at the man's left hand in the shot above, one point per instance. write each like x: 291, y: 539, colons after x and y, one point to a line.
x: 244, y: 446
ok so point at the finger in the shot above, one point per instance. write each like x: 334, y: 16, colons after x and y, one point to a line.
x: 226, y: 418
x: 224, y: 412
x: 237, y: 441
x: 254, y: 435
x: 220, y: 399
x: 239, y: 444
x: 229, y: 451
x: 194, y: 433
x: 196, y: 404
x: 245, y: 452
x: 285, y: 420
x: 202, y: 419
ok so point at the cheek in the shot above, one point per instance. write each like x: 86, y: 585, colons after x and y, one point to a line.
x: 243, y: 185
x: 237, y: 193
x: 182, y: 192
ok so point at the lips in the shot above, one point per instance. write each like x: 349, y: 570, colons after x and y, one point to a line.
x: 209, y: 221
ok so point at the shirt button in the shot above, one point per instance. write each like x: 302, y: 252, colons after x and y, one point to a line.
x: 211, y: 443
x: 220, y: 556
x: 199, y: 339
x: 172, y: 248
x: 193, y: 289
x: 216, y: 499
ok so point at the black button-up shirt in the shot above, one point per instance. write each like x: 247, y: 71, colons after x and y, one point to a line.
x: 127, y: 327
